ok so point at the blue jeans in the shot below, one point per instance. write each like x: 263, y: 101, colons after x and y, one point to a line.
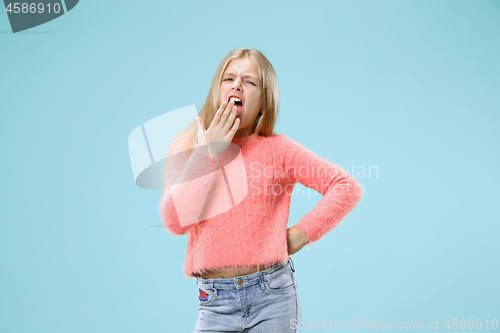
x: 265, y: 301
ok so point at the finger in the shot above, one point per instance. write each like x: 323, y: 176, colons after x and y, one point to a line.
x: 230, y: 120
x: 201, y: 137
x: 233, y: 130
x: 218, y: 114
x: 201, y: 132
x: 227, y: 112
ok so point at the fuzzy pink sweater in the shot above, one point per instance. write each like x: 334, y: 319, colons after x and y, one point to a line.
x: 248, y: 226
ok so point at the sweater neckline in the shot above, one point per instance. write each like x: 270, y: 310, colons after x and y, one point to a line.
x: 246, y: 139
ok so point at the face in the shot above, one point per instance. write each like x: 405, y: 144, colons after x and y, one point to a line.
x: 241, y: 79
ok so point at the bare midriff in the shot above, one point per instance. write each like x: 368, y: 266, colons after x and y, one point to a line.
x: 227, y: 273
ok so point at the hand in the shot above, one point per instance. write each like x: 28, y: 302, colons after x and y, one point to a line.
x: 222, y: 129
x: 296, y: 239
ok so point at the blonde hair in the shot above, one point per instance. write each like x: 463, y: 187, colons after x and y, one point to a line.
x: 269, y: 89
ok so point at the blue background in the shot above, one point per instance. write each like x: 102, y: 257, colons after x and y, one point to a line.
x: 409, y: 88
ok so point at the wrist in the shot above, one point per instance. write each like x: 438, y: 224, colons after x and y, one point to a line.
x: 303, y: 235
x: 204, y: 150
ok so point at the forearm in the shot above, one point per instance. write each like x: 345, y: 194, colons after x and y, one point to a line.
x: 187, y: 196
x: 336, y: 204
x: 296, y: 239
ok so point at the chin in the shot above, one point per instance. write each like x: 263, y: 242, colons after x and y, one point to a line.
x: 242, y: 124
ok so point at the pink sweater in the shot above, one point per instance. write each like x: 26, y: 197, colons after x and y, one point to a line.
x: 251, y: 225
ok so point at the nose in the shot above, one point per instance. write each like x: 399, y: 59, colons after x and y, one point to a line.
x: 236, y: 84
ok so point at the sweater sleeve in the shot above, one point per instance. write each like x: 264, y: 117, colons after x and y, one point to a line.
x: 187, y: 187
x: 340, y: 191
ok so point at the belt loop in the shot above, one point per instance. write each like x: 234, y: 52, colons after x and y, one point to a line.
x: 262, y: 280
x: 214, y: 290
x: 292, y: 266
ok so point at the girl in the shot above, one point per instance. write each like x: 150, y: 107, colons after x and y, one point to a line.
x: 229, y: 187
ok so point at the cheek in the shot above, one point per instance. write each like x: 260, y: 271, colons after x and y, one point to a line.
x: 258, y: 101
x: 223, y: 91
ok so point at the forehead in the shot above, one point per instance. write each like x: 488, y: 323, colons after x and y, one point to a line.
x: 243, y: 66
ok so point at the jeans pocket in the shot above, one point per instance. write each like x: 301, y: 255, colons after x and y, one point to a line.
x: 205, y: 294
x: 280, y: 282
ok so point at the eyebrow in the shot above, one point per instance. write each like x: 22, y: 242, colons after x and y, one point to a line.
x: 245, y: 75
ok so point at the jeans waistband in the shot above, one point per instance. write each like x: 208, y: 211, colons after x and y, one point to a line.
x: 249, y: 279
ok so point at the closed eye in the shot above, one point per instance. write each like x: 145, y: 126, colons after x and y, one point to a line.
x: 247, y: 81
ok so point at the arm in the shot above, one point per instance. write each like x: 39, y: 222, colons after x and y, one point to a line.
x: 188, y: 184
x: 341, y: 192
x: 195, y: 190
x: 296, y: 239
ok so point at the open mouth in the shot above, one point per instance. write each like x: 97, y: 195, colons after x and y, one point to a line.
x: 237, y: 102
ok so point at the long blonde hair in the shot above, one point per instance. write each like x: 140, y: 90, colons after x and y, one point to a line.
x: 269, y: 89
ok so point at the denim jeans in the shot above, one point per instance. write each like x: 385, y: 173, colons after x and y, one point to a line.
x: 265, y: 301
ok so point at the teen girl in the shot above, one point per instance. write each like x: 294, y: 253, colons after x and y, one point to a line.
x: 241, y: 257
